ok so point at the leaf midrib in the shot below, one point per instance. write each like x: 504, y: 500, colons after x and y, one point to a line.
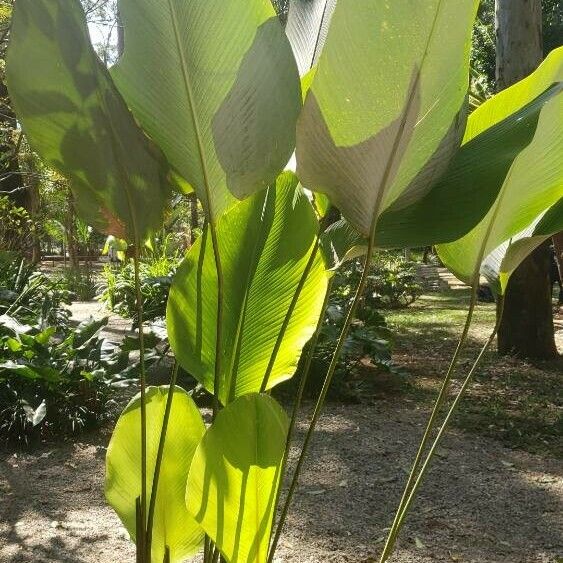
x: 400, y: 133
x: 191, y: 102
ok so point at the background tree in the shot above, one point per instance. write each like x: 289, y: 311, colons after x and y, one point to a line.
x: 527, y: 324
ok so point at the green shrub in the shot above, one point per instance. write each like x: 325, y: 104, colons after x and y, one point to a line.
x: 16, y: 227
x: 30, y: 296
x: 392, y: 282
x: 117, y: 288
x: 57, y: 380
x: 367, y: 349
x: 80, y: 283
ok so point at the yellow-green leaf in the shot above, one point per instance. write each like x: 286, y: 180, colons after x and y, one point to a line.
x: 173, y: 524
x: 235, y: 475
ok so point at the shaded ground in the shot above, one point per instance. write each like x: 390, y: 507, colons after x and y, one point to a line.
x: 516, y: 402
x: 481, y: 503
x: 487, y: 500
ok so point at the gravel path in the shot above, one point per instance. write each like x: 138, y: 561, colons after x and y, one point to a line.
x: 481, y: 503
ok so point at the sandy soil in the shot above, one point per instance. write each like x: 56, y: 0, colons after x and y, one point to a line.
x: 481, y: 503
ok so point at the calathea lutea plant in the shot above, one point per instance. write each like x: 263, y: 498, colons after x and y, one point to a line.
x: 213, y: 97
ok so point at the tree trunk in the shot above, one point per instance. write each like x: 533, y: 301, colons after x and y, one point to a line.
x: 527, y: 324
x: 519, y: 40
x: 558, y: 246
x: 526, y: 328
x: 71, y: 236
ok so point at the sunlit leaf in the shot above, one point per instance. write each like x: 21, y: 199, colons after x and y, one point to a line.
x: 265, y: 244
x: 79, y: 124
x: 235, y: 475
x: 386, y: 109
x: 173, y: 524
x: 530, y: 185
x: 307, y: 28
x: 493, y: 139
x: 216, y: 85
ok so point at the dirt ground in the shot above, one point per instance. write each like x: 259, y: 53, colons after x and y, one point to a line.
x: 481, y: 503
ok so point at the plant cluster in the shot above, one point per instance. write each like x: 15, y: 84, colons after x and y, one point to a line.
x: 16, y: 227
x: 29, y: 295
x: 117, y: 287
x: 376, y: 131
x: 367, y: 350
x: 58, y: 380
x: 55, y: 378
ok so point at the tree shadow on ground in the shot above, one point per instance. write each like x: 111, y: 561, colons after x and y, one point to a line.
x: 481, y: 502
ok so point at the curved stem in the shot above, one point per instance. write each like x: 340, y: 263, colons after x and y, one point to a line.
x: 219, y: 333
x: 443, y: 427
x: 431, y: 422
x: 327, y: 382
x: 292, y: 305
x: 159, y: 456
x: 143, y: 385
x: 291, y: 429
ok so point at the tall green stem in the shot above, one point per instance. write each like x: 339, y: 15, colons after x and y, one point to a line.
x: 159, y: 455
x: 406, y: 506
x: 289, y: 314
x: 327, y: 382
x: 143, y: 385
x: 219, y: 333
x: 432, y: 420
x: 295, y: 412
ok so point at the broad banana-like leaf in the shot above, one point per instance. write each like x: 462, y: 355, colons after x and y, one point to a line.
x: 496, y: 134
x: 552, y: 222
x: 340, y: 242
x: 77, y: 121
x: 501, y: 262
x: 235, y: 474
x: 265, y: 244
x: 174, y: 526
x: 532, y: 185
x: 216, y: 85
x: 307, y: 28
x: 386, y: 110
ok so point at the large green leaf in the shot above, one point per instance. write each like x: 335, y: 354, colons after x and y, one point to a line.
x: 496, y: 134
x: 386, y: 109
x: 531, y: 186
x: 503, y: 260
x: 77, y: 121
x: 173, y: 524
x: 235, y: 475
x: 307, y: 28
x: 216, y: 85
x: 340, y: 242
x: 265, y: 244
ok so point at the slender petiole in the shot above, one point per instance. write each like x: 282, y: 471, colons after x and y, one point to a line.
x: 401, y: 516
x: 296, y: 407
x: 159, y: 455
x: 432, y: 420
x: 143, y: 385
x: 327, y: 382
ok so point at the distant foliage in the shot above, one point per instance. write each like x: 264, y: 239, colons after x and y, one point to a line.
x: 392, y: 282
x: 117, y: 287
x: 16, y: 227
x: 483, y: 52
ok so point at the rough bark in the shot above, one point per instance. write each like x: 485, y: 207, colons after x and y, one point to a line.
x: 527, y: 326
x: 519, y: 39
x: 558, y: 246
